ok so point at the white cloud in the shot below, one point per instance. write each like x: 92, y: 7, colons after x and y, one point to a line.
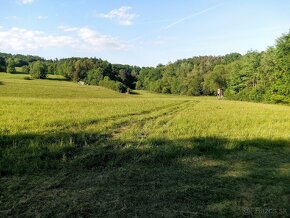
x: 68, y: 29
x: 42, y: 17
x: 18, y: 39
x: 93, y: 40
x: 25, y: 2
x: 98, y: 40
x: 122, y: 15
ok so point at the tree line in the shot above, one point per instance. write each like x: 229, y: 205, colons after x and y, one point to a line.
x: 91, y: 71
x: 255, y: 76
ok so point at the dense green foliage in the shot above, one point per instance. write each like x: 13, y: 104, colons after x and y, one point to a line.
x: 114, y: 85
x: 86, y: 151
x: 90, y: 70
x: 96, y: 72
x: 21, y: 60
x: 38, y: 70
x: 182, y: 77
x: 256, y: 76
x: 10, y: 66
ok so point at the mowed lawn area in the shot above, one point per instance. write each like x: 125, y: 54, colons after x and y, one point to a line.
x: 68, y: 150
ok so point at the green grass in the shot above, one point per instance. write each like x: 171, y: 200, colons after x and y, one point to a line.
x: 81, y: 151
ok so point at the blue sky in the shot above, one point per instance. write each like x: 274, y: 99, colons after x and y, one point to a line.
x: 140, y: 32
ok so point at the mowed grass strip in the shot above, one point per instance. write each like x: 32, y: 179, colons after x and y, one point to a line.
x: 69, y: 150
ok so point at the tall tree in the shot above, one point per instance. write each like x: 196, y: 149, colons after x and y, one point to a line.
x: 38, y: 70
x: 216, y: 79
x: 11, y: 66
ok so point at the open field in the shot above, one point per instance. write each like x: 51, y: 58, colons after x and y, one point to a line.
x: 69, y: 150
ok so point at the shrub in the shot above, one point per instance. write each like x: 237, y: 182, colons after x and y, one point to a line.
x: 10, y: 66
x: 166, y: 90
x: 114, y: 85
x: 94, y: 76
x: 38, y: 70
x: 276, y: 98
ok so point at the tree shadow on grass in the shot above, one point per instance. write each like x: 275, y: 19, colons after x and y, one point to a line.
x: 132, y: 92
x: 57, y: 79
x: 94, y: 174
x: 20, y: 72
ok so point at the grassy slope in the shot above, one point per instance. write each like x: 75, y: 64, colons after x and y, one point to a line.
x: 70, y: 150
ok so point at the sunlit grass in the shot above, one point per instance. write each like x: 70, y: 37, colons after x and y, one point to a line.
x: 71, y: 150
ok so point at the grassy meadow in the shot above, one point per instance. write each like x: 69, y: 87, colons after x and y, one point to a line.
x: 80, y: 151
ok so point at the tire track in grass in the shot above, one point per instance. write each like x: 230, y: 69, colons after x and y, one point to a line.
x: 165, y: 115
x: 89, y: 144
x: 107, y: 147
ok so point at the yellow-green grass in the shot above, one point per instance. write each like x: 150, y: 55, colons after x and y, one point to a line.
x: 70, y: 150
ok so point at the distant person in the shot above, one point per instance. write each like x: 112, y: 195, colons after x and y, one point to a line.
x: 219, y: 94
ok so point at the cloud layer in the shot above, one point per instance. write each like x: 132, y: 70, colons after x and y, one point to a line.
x: 122, y: 15
x: 84, y: 38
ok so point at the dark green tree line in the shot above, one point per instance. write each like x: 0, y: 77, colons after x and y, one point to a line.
x: 255, y: 76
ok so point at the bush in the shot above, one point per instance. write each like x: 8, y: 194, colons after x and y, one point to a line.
x: 114, y: 85
x: 94, y: 77
x: 38, y: 70
x: 166, y: 90
x: 10, y: 66
x: 276, y: 98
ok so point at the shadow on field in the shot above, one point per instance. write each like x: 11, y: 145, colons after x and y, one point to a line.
x: 134, y: 93
x: 57, y: 79
x: 20, y: 72
x: 93, y: 174
x: 1, y: 83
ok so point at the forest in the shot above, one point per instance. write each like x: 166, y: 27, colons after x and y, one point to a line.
x: 255, y: 76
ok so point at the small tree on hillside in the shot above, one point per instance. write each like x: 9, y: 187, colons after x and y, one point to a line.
x: 38, y: 70
x: 10, y: 66
x: 94, y: 76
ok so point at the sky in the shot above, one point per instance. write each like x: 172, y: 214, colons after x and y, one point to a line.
x: 140, y: 32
